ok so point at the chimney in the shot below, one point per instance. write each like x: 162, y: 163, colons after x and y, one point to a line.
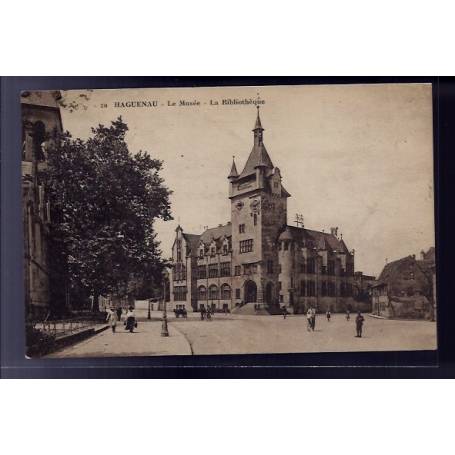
x: 334, y: 231
x: 422, y: 255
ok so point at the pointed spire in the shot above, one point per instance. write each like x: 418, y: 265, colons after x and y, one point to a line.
x: 258, y: 156
x: 258, y: 125
x: 233, y: 174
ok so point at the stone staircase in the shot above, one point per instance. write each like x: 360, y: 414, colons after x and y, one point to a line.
x: 248, y: 309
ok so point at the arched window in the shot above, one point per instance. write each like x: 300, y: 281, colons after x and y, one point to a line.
x: 225, y: 292
x: 39, y: 136
x: 213, y: 292
x: 202, y: 293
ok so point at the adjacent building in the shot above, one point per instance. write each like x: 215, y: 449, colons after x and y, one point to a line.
x: 40, y: 116
x: 257, y: 257
x: 406, y: 288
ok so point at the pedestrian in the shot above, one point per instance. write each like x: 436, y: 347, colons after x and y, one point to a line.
x: 112, y: 319
x: 359, y: 324
x: 130, y: 320
x: 119, y: 313
x: 348, y: 315
x: 328, y: 315
x: 284, y: 311
x: 313, y: 318
x: 209, y: 314
x: 202, y: 310
x: 309, y: 317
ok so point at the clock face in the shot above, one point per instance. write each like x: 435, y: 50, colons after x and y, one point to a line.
x: 239, y: 205
x: 255, y: 205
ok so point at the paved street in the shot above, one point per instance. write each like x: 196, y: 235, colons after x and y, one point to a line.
x: 237, y: 334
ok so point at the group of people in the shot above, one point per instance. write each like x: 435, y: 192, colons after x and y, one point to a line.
x: 311, y: 320
x: 115, y: 315
x: 206, y: 313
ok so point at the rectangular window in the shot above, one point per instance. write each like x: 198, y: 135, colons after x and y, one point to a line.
x: 201, y: 271
x: 255, y: 219
x: 225, y: 249
x: 213, y: 270
x: 324, y: 289
x: 302, y: 267
x: 331, y: 268
x: 180, y: 293
x: 311, y: 289
x: 279, y: 285
x: 310, y: 265
x: 281, y: 298
x: 238, y: 270
x: 241, y: 228
x: 279, y: 268
x: 225, y: 269
x: 302, y: 288
x: 237, y: 293
x: 270, y: 266
x: 286, y: 246
x: 246, y: 246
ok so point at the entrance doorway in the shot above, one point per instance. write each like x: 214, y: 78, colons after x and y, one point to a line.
x: 269, y: 293
x: 251, y: 291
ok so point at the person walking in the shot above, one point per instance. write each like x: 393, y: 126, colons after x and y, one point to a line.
x: 309, y: 317
x: 284, y: 311
x: 119, y: 313
x: 359, y: 324
x: 202, y: 311
x: 328, y: 315
x: 130, y: 320
x: 348, y: 315
x: 112, y: 319
x: 313, y: 318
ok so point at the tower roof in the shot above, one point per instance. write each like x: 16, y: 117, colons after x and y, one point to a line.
x: 233, y: 173
x: 258, y: 125
x: 258, y: 156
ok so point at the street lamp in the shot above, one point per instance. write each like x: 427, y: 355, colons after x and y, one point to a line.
x: 164, y: 329
x: 149, y: 316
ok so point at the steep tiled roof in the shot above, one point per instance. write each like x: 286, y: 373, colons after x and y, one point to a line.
x: 193, y: 240
x: 318, y: 239
x: 216, y: 233
x: 258, y: 157
x: 393, y: 269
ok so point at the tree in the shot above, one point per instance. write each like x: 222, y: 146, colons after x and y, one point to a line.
x: 104, y: 201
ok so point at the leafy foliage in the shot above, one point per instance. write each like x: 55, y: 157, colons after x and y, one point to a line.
x: 104, y: 201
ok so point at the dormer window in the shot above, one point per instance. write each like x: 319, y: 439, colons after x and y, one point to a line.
x: 201, y: 253
x: 225, y: 249
x: 212, y: 251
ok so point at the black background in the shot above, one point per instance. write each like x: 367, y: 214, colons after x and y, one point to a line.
x: 413, y: 364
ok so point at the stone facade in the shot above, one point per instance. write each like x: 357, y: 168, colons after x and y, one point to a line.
x: 256, y: 257
x: 40, y: 116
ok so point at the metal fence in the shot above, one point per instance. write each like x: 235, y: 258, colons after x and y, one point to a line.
x: 64, y: 327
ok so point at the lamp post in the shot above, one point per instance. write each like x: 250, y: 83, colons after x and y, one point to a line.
x: 149, y: 316
x: 164, y: 329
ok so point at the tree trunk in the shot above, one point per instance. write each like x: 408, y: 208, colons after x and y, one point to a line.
x: 96, y: 304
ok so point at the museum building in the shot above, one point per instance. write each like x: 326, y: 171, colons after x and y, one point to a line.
x: 257, y: 257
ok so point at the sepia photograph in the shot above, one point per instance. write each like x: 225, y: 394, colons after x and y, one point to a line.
x: 228, y: 220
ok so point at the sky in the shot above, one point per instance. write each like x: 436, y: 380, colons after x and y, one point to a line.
x: 359, y: 157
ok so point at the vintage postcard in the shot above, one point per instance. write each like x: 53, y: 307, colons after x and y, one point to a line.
x: 229, y: 220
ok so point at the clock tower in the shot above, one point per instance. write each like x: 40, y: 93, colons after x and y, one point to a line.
x: 258, y: 215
